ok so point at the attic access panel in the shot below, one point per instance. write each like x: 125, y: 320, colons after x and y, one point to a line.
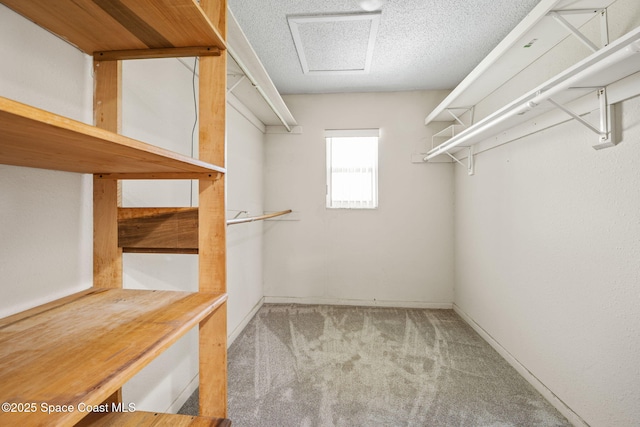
x: 339, y: 44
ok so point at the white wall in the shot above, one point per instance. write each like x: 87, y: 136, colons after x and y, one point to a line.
x: 45, y: 216
x: 399, y: 254
x: 245, y: 192
x: 547, y: 254
x: 158, y: 107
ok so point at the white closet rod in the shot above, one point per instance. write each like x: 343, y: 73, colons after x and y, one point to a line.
x: 602, y: 62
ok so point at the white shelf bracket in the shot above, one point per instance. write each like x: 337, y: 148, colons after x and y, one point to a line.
x: 605, y: 131
x: 557, y: 15
x: 470, y: 161
x: 458, y: 124
x: 604, y: 28
x: 458, y: 118
x: 607, y: 122
x: 236, y: 84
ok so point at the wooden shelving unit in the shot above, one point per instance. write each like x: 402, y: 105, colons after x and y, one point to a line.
x: 80, y: 349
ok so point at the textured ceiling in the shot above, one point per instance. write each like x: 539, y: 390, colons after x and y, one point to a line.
x: 420, y: 44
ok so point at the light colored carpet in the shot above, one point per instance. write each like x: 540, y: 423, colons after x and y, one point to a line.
x: 298, y: 365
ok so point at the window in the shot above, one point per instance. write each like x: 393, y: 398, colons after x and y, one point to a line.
x: 352, y: 168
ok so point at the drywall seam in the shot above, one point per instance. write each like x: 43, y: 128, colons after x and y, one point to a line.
x: 551, y: 397
x: 357, y: 302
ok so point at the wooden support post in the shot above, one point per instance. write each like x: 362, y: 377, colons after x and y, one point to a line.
x: 107, y: 196
x: 107, y: 257
x: 212, y: 221
x: 213, y: 364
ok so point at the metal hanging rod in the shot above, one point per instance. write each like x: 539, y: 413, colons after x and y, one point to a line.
x: 257, y: 218
x: 608, y: 65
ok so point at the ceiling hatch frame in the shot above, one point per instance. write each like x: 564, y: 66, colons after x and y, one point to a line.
x: 295, y: 21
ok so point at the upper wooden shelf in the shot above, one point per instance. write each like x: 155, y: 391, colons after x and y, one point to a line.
x: 36, y: 138
x: 80, y: 349
x: 104, y: 25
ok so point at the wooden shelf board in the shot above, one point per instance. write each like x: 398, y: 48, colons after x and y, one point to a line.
x: 166, y: 230
x: 82, y: 348
x: 36, y: 138
x: 151, y: 419
x: 104, y: 25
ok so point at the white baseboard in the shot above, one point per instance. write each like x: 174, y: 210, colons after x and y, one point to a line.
x: 562, y: 407
x: 183, y: 396
x: 357, y: 302
x: 234, y: 334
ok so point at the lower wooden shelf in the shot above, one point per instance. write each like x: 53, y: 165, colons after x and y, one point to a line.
x: 72, y: 353
x: 151, y: 419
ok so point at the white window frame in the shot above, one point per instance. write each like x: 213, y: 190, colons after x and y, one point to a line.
x: 330, y: 135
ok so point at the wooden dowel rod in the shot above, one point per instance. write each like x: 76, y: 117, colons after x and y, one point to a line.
x: 257, y: 218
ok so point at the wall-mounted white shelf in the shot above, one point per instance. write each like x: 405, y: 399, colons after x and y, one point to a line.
x: 256, y: 89
x: 618, y: 60
x: 538, y: 33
